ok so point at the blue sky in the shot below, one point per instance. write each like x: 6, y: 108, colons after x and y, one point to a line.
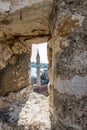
x: 42, y: 51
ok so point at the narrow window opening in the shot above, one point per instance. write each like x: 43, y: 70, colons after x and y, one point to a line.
x: 39, y: 66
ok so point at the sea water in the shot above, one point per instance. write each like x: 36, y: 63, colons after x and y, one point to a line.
x: 33, y: 71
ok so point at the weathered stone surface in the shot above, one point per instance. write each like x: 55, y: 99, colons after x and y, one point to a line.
x: 22, y: 22
x: 69, y: 64
x: 26, y: 18
x: 70, y: 112
x: 24, y: 111
x: 76, y: 85
x: 15, y: 75
x: 5, y: 54
x: 15, y: 97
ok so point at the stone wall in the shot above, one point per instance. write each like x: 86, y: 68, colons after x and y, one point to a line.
x: 22, y: 23
x: 15, y: 75
x: 69, y: 64
x: 67, y: 54
x: 14, y: 62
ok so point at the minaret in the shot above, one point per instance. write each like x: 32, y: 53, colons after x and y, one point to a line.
x: 38, y: 68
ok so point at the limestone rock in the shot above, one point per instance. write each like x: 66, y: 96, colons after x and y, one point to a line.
x: 5, y: 54
x: 30, y: 112
x: 69, y: 65
x: 15, y: 75
x: 64, y: 24
x: 22, y: 22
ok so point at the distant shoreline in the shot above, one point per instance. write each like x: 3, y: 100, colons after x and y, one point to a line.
x: 43, y: 65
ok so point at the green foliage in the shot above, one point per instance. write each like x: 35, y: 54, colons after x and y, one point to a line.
x: 47, y: 94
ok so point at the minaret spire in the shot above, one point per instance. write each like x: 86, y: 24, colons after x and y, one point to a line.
x: 38, y: 68
x: 38, y: 55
